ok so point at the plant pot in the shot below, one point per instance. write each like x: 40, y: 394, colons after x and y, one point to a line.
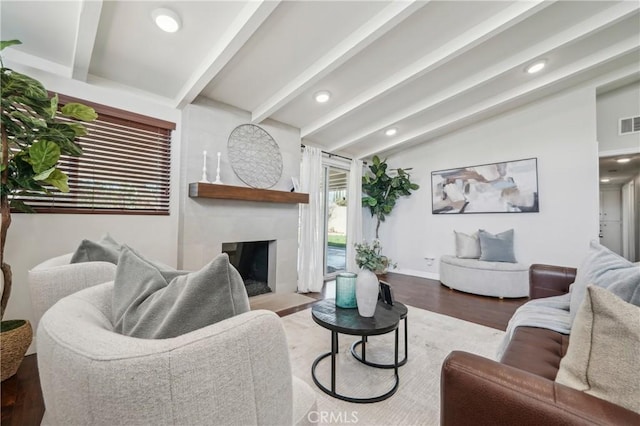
x: 15, y: 339
x: 367, y: 292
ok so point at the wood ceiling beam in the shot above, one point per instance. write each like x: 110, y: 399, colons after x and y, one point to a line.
x: 357, y: 41
x: 573, y: 34
x: 241, y: 29
x: 449, y: 51
x: 628, y: 46
x: 86, y: 32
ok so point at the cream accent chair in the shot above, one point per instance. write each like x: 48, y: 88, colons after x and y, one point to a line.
x: 56, y: 278
x: 234, y: 372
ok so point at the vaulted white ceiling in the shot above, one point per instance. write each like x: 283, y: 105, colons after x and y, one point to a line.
x: 423, y: 67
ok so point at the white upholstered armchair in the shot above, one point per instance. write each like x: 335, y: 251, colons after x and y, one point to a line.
x: 234, y: 372
x: 56, y: 278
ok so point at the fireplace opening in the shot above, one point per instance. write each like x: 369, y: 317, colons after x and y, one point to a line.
x: 251, y: 259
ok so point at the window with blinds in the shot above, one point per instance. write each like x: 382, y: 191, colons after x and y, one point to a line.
x: 125, y: 167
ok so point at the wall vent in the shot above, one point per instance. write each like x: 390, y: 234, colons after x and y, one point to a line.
x: 629, y: 125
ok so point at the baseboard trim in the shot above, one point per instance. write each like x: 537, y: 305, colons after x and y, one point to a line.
x: 417, y: 273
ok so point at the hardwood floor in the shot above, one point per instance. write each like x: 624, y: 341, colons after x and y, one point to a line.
x: 22, y: 403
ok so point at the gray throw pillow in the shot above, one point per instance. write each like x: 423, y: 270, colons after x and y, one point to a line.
x: 498, y: 247
x: 467, y: 246
x: 606, y: 269
x: 151, y: 301
x: 602, y: 357
x: 104, y: 250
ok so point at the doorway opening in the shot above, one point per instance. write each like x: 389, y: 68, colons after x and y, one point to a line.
x: 335, y: 212
x: 619, y: 198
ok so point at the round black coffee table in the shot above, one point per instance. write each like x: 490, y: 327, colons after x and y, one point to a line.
x: 347, y: 321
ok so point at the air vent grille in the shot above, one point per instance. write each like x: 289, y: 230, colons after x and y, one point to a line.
x: 629, y: 125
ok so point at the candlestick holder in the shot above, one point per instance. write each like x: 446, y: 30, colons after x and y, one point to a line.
x: 204, y: 168
x: 218, y: 181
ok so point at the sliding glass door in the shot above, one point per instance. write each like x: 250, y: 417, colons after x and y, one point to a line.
x: 335, y: 194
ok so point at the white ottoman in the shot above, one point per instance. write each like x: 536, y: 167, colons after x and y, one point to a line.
x: 497, y: 279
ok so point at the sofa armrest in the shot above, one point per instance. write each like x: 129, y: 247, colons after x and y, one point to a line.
x: 479, y: 391
x: 549, y: 280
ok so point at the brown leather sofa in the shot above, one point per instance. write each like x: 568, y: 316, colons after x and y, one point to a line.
x: 520, y: 389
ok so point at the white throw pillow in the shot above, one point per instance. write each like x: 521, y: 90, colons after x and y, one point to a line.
x: 467, y: 246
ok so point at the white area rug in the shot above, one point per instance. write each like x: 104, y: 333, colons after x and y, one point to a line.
x: 417, y: 402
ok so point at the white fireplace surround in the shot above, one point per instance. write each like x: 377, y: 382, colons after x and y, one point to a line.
x: 207, y: 223
x: 215, y: 222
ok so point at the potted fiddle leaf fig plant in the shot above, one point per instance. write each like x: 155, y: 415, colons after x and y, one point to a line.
x: 33, y: 139
x: 383, y: 190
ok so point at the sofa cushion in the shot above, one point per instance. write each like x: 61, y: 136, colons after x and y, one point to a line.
x: 606, y: 269
x: 155, y: 302
x: 467, y: 246
x: 482, y: 265
x: 105, y: 249
x: 602, y: 358
x: 498, y: 247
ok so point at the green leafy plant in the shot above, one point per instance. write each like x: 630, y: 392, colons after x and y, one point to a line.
x: 383, y: 190
x: 33, y: 139
x: 369, y: 256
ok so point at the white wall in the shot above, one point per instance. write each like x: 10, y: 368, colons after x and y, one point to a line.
x: 623, y: 102
x: 560, y: 132
x: 34, y: 238
x: 206, y: 223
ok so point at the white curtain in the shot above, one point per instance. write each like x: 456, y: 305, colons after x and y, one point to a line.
x: 311, y: 250
x: 354, y: 213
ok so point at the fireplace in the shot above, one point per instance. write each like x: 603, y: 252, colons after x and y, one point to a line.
x: 253, y: 260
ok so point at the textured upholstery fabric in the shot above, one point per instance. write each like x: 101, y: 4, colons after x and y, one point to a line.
x: 235, y: 372
x: 153, y: 302
x: 104, y: 250
x: 606, y: 269
x: 56, y: 278
x: 467, y: 246
x: 498, y: 247
x: 602, y: 358
x: 497, y: 279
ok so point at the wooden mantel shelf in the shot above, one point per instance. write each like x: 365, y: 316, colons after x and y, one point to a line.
x: 228, y: 192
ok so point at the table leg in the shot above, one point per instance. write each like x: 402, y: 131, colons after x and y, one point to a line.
x: 334, y: 351
x: 406, y: 341
x: 364, y: 348
x: 395, y: 362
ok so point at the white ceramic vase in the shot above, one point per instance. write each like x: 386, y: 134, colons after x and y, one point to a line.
x: 367, y: 293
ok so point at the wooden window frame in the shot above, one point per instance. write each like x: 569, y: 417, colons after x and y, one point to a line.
x: 124, y: 148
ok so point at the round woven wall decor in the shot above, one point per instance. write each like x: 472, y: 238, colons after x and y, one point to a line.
x: 254, y: 156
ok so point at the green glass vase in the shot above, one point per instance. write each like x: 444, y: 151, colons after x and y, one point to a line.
x: 346, y: 290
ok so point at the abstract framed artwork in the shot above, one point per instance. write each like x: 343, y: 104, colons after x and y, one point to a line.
x: 507, y: 187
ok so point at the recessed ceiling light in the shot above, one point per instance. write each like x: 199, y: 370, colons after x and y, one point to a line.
x: 536, y: 66
x: 623, y: 160
x: 390, y: 132
x: 322, y: 96
x: 166, y: 19
x: 605, y: 180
